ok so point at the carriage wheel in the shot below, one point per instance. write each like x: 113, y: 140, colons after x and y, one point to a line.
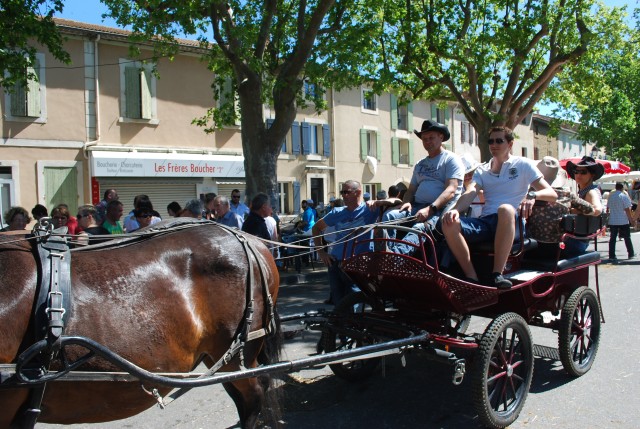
x: 579, y: 333
x: 503, y: 371
x: 354, y: 303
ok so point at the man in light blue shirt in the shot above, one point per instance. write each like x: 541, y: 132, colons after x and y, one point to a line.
x: 237, y: 206
x: 223, y: 213
x: 620, y: 218
x: 355, y: 213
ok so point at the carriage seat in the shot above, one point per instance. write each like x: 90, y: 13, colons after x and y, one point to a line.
x: 524, y: 246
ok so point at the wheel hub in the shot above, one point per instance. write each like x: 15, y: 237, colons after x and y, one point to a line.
x: 509, y: 371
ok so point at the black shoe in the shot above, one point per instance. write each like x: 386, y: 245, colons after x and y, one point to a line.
x: 500, y: 282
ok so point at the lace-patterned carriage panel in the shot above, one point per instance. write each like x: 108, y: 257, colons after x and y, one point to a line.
x: 468, y: 297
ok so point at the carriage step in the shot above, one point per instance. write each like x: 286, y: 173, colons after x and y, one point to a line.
x: 546, y: 352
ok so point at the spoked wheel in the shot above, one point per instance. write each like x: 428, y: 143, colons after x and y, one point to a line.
x: 503, y: 371
x: 355, y: 303
x: 579, y: 333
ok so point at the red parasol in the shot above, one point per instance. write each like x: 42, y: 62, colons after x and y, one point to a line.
x: 609, y: 166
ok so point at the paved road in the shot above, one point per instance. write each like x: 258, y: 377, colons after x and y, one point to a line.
x: 421, y: 394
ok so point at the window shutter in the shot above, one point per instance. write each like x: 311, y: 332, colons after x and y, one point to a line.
x: 395, y: 151
x: 145, y: 94
x: 410, y: 153
x: 463, y: 132
x: 379, y: 146
x: 434, y: 112
x: 394, y: 112
x: 306, y: 137
x: 446, y: 116
x: 363, y: 144
x: 295, y: 138
x: 410, y: 117
x: 33, y: 96
x: 326, y: 140
x: 132, y: 92
x: 296, y: 197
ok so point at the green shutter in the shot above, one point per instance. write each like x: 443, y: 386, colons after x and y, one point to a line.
x: 434, y: 112
x: 395, y: 151
x: 363, y: 144
x: 33, y: 96
x: 394, y: 112
x: 145, y: 95
x: 410, y: 152
x: 378, y: 146
x: 410, y: 117
x: 446, y: 116
x: 61, y: 186
x: 132, y: 92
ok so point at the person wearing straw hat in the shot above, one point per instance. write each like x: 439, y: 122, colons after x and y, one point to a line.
x: 436, y: 182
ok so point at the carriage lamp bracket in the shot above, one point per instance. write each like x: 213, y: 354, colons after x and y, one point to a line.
x: 459, y: 369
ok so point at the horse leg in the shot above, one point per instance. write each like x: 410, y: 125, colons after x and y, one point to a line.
x: 247, y: 394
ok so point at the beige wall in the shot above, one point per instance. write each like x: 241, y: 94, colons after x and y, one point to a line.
x: 64, y: 101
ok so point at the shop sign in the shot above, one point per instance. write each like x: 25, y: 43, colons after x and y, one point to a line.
x: 142, y: 164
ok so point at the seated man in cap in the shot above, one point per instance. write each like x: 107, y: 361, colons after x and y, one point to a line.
x: 505, y: 180
x: 436, y: 183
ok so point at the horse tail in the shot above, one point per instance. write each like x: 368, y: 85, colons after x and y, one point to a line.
x: 270, y: 353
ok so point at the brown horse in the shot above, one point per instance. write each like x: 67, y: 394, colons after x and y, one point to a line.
x: 164, y: 302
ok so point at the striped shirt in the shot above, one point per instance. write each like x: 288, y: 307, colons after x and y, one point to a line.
x: 618, y: 202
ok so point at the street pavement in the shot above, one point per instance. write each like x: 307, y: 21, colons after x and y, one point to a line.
x: 421, y: 394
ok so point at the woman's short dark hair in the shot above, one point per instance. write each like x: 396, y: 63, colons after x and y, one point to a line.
x: 39, y: 211
x: 15, y: 211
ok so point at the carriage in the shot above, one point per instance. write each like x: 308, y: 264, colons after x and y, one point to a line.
x: 407, y: 303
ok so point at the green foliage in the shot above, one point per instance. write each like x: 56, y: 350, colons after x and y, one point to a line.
x: 496, y: 58
x: 22, y: 22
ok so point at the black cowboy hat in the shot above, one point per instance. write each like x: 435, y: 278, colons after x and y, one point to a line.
x: 434, y: 126
x: 590, y: 164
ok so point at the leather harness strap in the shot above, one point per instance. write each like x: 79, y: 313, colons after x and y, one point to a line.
x: 50, y: 313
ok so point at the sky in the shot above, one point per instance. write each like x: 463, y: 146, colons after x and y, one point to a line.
x: 91, y: 11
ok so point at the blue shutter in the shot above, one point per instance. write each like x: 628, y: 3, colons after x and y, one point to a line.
x: 295, y: 138
x: 296, y: 196
x: 306, y: 137
x: 326, y: 140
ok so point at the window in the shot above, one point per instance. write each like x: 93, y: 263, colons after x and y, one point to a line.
x: 309, y: 89
x: 467, y: 133
x: 524, y: 152
x: 401, y: 151
x: 441, y: 115
x: 369, y: 101
x: 315, y: 139
x: 137, y: 92
x: 369, y: 144
x: 403, y: 146
x: 403, y: 117
x: 28, y: 104
x: 228, y: 97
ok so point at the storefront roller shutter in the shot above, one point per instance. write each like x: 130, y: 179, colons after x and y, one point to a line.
x: 225, y: 188
x: 160, y: 191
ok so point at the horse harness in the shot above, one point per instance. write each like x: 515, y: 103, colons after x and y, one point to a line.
x: 53, y: 306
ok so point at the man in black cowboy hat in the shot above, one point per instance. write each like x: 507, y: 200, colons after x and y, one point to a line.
x: 437, y: 179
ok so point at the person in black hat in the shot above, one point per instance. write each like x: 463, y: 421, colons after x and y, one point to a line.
x: 589, y: 199
x: 436, y: 182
